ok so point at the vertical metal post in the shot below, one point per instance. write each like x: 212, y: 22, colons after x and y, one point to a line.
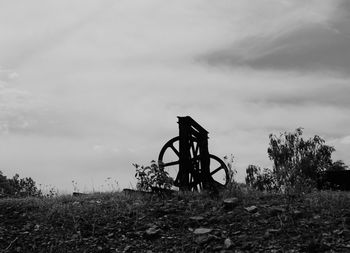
x: 205, y: 161
x: 193, y: 172
x: 185, y: 155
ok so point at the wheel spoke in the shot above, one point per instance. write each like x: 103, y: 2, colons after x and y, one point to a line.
x: 214, y: 171
x: 170, y: 163
x: 175, y: 150
x: 218, y: 183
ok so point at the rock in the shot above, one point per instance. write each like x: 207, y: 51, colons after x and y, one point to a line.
x: 217, y: 248
x: 196, y: 218
x: 251, y: 209
x: 201, y: 239
x: 347, y: 221
x: 228, y: 243
x: 275, y: 210
x: 297, y: 214
x: 202, y: 231
x: 230, y: 203
x: 256, y: 215
x: 271, y: 231
x: 95, y: 201
x: 78, y: 194
x: 126, y: 249
x: 152, y: 232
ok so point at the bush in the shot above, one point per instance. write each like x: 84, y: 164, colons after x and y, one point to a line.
x: 297, y: 161
x: 231, y: 170
x: 153, y: 176
x: 298, y: 164
x: 338, y: 166
x: 18, y: 187
x: 260, y: 180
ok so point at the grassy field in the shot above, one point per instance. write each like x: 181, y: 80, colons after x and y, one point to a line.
x: 184, y: 222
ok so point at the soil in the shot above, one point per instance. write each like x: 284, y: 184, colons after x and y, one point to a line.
x: 119, y: 222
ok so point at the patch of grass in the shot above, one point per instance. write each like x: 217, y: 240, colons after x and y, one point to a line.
x: 117, y: 222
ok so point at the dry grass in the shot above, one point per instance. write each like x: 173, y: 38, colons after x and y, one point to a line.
x: 113, y: 222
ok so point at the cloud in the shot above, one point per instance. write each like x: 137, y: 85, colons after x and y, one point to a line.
x: 7, y: 75
x: 334, y: 94
x: 308, y: 49
x: 39, y: 37
x: 345, y: 140
x: 307, y: 45
x: 100, y: 83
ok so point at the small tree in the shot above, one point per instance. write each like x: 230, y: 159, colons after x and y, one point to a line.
x: 338, y: 165
x: 153, y: 176
x: 5, y: 187
x: 18, y: 187
x: 231, y: 170
x: 260, y: 180
x: 296, y: 160
x: 252, y: 173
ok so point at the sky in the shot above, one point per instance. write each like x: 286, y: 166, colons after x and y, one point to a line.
x: 89, y: 87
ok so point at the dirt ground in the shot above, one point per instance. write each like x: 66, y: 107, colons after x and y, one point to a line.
x: 318, y: 222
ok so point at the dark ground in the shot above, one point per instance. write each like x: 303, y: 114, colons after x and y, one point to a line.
x: 318, y: 222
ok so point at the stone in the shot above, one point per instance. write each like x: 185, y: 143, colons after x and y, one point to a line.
x: 228, y: 243
x: 230, y: 203
x: 78, y: 194
x: 347, y: 221
x: 271, y: 231
x: 201, y: 239
x: 202, y: 231
x: 256, y: 215
x: 152, y: 232
x: 196, y: 218
x: 297, y: 214
x: 251, y: 209
x: 126, y: 249
x: 275, y: 210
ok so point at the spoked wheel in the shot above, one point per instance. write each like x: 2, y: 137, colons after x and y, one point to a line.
x: 169, y: 158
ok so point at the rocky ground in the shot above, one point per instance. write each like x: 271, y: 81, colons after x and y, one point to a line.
x: 132, y: 222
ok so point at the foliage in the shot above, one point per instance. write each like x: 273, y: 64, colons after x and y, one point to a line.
x: 260, y: 180
x: 152, y: 176
x: 231, y: 170
x: 298, y: 161
x: 18, y: 187
x: 338, y: 165
x: 5, y: 187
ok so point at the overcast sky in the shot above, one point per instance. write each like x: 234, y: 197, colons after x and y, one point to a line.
x: 89, y: 87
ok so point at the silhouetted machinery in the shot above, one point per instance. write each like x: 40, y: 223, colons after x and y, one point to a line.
x: 188, y: 157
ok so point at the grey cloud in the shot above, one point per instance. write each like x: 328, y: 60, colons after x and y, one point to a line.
x: 36, y: 122
x: 48, y: 38
x: 309, y: 48
x: 323, y: 95
x: 7, y: 75
x: 55, y: 123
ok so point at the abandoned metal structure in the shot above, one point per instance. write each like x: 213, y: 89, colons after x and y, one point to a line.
x: 196, y: 168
